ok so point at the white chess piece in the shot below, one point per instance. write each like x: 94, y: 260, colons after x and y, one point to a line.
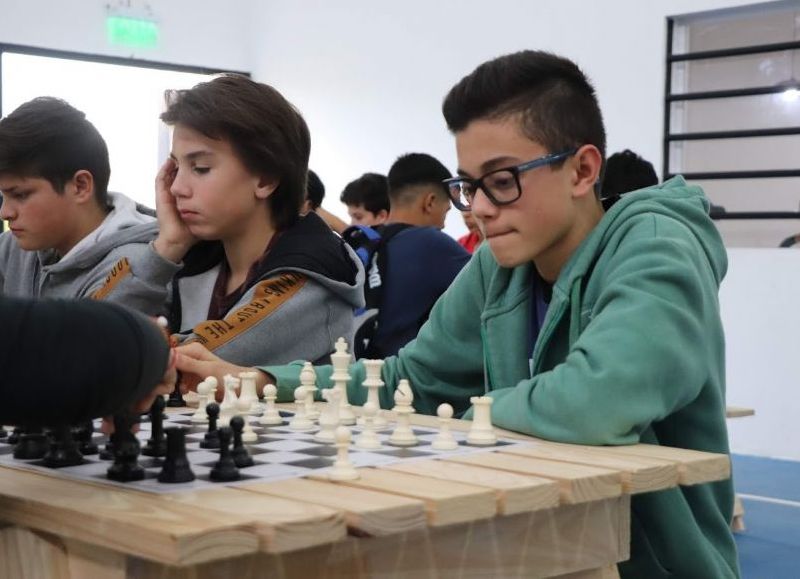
x: 403, y: 435
x: 329, y: 418
x: 213, y: 386
x: 372, y: 382
x: 340, y: 360
x: 203, y: 389
x: 248, y: 434
x: 444, y: 439
x: 271, y: 415
x: 342, y: 468
x: 308, y: 380
x: 368, y: 439
x: 299, y: 420
x: 248, y: 391
x: 481, y: 433
x: 228, y: 407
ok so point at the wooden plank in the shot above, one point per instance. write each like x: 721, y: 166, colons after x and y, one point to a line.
x: 577, y: 483
x: 128, y: 522
x: 515, y: 493
x: 446, y: 502
x: 694, y: 466
x: 639, y: 474
x: 367, y: 513
x: 283, y: 525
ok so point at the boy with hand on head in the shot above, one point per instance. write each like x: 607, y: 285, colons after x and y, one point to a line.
x: 367, y: 199
x: 258, y: 280
x: 584, y: 326
x: 68, y: 236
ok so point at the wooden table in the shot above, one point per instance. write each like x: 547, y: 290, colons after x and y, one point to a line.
x: 546, y: 510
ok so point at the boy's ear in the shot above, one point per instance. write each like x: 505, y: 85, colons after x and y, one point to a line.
x: 266, y: 187
x: 587, y: 164
x: 83, y: 183
x: 429, y: 201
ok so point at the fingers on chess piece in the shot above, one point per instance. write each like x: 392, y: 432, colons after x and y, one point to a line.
x: 176, y: 468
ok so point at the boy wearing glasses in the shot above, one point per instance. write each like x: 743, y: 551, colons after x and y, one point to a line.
x: 584, y: 326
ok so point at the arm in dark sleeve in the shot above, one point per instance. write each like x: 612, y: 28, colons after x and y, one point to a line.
x: 65, y: 361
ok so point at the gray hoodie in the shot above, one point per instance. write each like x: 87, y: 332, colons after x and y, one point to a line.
x: 115, y: 262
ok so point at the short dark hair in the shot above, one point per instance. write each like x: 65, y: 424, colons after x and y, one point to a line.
x: 553, y: 97
x: 370, y: 190
x: 48, y: 138
x: 414, y: 169
x: 627, y: 171
x: 315, y: 190
x: 268, y: 134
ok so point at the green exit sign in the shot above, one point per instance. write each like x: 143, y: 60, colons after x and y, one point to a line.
x: 132, y: 32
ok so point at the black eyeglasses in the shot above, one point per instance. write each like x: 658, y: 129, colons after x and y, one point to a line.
x: 501, y: 186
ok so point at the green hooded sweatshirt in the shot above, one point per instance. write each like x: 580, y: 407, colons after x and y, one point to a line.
x: 631, y: 350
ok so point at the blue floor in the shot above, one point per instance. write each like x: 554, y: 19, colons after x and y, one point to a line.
x: 769, y: 548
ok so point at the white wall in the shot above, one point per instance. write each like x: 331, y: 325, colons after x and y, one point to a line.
x: 760, y: 304
x: 370, y: 76
x: 192, y: 32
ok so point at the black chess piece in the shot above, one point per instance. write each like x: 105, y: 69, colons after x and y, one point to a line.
x: 225, y: 469
x: 108, y: 450
x: 176, y: 467
x: 126, y: 466
x: 176, y: 398
x: 157, y: 444
x: 32, y: 444
x: 63, y: 449
x: 240, y: 454
x: 83, y: 435
x: 211, y: 439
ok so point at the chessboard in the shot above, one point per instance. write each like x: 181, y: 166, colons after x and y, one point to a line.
x: 278, y: 453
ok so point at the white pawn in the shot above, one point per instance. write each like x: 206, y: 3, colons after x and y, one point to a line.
x: 342, y: 468
x: 248, y: 390
x: 329, y: 419
x: 271, y: 415
x: 444, y: 439
x: 228, y: 407
x: 308, y: 380
x: 481, y: 432
x: 299, y: 420
x: 248, y: 434
x: 203, y: 390
x: 213, y: 386
x: 403, y: 435
x: 368, y: 439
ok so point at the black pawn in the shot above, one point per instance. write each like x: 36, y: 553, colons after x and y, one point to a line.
x: 63, y: 450
x: 176, y: 467
x: 157, y: 444
x: 176, y: 398
x: 126, y: 467
x: 83, y: 435
x: 211, y: 439
x: 108, y: 451
x: 225, y: 470
x: 32, y: 444
x: 240, y: 455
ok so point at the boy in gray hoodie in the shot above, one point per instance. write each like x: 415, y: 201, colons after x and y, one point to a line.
x: 68, y: 237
